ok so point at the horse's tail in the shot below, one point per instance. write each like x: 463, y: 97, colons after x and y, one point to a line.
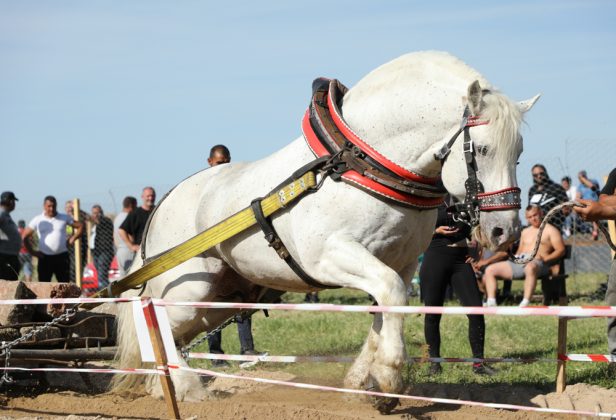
x: 128, y: 354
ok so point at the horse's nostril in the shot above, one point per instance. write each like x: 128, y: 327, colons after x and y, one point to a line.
x: 496, y: 232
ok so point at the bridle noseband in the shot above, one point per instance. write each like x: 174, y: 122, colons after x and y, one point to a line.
x: 476, y: 199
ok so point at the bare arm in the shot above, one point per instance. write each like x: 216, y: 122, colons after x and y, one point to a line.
x: 26, y: 237
x: 558, y: 247
x: 77, y: 230
x: 128, y: 239
x: 604, y: 209
x: 496, y: 257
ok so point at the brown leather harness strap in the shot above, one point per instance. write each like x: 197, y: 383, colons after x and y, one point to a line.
x: 271, y: 236
x: 327, y: 134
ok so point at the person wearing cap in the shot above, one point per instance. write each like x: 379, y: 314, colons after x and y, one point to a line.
x: 53, y: 251
x: 10, y: 239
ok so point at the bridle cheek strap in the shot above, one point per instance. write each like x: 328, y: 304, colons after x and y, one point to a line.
x: 505, y: 199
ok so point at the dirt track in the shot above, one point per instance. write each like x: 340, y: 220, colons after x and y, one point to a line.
x: 240, y: 399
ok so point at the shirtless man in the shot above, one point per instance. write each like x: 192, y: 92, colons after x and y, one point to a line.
x: 551, y: 249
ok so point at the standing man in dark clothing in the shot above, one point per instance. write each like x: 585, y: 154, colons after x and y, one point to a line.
x: 546, y: 194
x: 605, y: 209
x: 131, y: 230
x: 101, y: 244
x: 10, y: 239
x: 220, y: 154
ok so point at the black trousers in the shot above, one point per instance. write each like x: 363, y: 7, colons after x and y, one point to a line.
x: 48, y: 265
x: 9, y: 267
x: 443, y: 266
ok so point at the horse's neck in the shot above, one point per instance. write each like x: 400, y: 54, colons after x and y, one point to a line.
x: 406, y: 132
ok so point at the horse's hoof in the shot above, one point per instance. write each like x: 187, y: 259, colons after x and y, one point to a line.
x: 385, y: 404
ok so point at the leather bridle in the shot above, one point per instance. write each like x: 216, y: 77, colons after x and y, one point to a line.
x: 476, y: 199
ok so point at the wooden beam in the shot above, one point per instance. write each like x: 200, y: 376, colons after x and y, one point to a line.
x: 161, y: 358
x: 561, y: 348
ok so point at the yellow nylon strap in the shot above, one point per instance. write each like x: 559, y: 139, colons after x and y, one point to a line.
x: 200, y: 243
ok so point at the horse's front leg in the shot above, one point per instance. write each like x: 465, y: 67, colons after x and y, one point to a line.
x: 383, y: 354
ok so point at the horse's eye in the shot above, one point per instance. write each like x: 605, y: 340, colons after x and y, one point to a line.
x: 482, y: 150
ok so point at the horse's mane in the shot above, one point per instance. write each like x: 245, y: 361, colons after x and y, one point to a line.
x: 505, y: 119
x: 440, y: 68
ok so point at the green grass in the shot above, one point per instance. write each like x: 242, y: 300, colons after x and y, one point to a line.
x: 329, y: 333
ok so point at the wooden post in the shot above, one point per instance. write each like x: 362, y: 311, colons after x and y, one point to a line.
x: 77, y: 245
x: 611, y: 226
x: 161, y: 357
x: 561, y: 349
x: 88, y: 228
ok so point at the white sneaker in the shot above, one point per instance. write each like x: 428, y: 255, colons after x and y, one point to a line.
x: 491, y: 302
x: 524, y: 303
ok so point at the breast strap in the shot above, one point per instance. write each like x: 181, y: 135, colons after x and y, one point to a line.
x: 327, y: 133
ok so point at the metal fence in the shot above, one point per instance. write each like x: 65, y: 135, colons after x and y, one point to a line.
x: 590, y: 254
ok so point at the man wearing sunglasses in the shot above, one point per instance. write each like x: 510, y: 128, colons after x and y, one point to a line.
x: 546, y: 194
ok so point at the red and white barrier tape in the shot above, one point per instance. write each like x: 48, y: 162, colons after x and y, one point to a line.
x: 606, y: 358
x: 347, y: 359
x: 161, y: 371
x: 389, y: 395
x: 562, y: 311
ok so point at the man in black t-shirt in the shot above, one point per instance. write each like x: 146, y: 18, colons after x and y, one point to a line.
x: 605, y: 209
x: 131, y: 230
x: 546, y: 194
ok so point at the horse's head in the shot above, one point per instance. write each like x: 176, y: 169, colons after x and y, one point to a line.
x: 480, y: 169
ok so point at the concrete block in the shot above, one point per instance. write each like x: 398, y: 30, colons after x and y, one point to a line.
x: 25, y: 290
x: 15, y: 314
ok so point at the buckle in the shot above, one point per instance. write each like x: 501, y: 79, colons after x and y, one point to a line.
x: 468, y: 146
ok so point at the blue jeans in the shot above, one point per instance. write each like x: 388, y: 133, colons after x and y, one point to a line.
x: 244, y: 329
x: 102, y: 262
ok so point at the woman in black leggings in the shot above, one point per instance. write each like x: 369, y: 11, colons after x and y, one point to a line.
x: 446, y: 262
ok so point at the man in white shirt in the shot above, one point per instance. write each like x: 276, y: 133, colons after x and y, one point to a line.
x: 52, y: 254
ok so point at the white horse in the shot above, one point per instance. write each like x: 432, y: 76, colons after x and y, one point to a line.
x: 406, y: 110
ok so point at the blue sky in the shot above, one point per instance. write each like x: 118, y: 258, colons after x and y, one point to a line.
x: 100, y: 98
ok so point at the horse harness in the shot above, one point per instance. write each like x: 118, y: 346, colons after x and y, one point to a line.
x: 343, y: 155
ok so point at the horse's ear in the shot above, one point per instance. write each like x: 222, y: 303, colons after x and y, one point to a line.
x: 525, y: 106
x: 474, y: 97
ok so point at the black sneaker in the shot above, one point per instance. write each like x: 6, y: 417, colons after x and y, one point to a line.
x: 484, y: 369
x: 253, y: 353
x: 435, y: 369
x: 217, y: 363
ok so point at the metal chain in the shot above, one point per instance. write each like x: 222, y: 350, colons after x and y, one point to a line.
x: 184, y: 351
x: 6, y: 347
x: 551, y: 213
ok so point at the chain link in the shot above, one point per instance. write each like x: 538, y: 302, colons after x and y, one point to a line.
x: 6, y: 347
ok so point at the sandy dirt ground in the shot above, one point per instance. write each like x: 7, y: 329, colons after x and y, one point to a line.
x: 68, y: 396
